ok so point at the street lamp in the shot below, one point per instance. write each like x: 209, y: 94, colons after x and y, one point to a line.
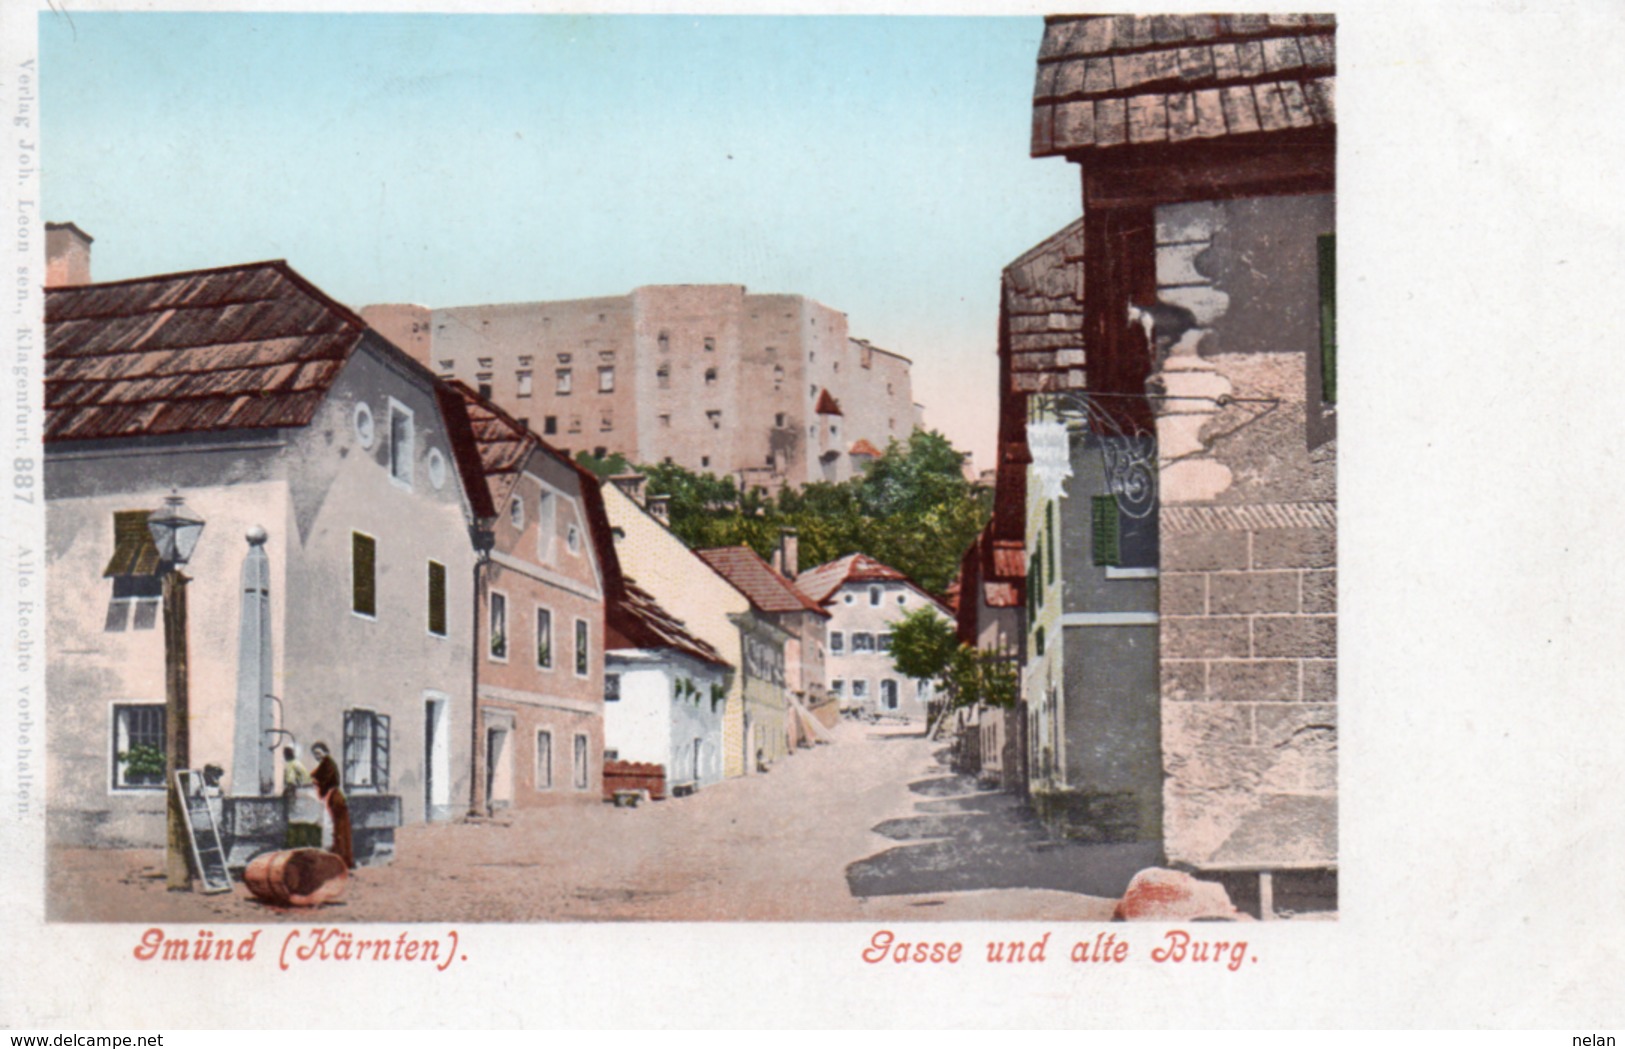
x: 175, y: 532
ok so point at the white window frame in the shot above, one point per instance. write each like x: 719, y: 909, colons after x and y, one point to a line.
x: 606, y: 378
x: 396, y: 408
x: 545, y: 614
x: 582, y: 638
x: 544, y: 748
x: 563, y: 382
x: 113, y: 784
x: 581, y: 762
x: 547, y: 525
x: 524, y: 382
x: 491, y: 598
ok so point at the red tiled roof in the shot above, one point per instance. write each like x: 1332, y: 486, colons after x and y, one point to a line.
x: 1114, y: 80
x: 240, y: 347
x: 767, y: 589
x: 827, y: 405
x: 1009, y: 559
x: 863, y: 447
x: 820, y: 583
x: 636, y: 620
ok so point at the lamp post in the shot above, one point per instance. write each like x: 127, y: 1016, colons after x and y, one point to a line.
x: 175, y: 532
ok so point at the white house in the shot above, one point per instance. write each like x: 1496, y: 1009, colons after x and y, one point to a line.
x: 665, y: 693
x: 273, y: 411
x: 865, y: 599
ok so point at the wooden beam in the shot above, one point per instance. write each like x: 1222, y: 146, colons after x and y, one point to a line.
x: 1279, y: 164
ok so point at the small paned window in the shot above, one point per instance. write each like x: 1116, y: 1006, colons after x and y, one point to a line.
x: 583, y: 648
x: 837, y: 642
x: 612, y: 688
x: 366, y: 751
x: 863, y: 642
x: 139, y: 752
x: 550, y: 425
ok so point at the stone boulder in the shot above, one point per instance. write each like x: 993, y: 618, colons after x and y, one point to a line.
x: 1160, y: 895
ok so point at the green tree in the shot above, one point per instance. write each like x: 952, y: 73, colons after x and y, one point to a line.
x: 923, y: 645
x: 912, y: 509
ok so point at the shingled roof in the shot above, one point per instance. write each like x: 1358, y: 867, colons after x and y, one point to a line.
x: 767, y: 588
x: 240, y: 347
x: 1115, y: 80
x: 636, y: 620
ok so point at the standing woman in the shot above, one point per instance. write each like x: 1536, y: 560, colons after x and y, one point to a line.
x: 326, y: 777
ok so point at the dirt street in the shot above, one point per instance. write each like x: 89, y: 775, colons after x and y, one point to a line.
x: 799, y: 843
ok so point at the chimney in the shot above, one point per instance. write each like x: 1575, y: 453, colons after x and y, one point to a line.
x: 787, y: 556
x: 67, y: 255
x: 659, y: 507
x: 632, y: 486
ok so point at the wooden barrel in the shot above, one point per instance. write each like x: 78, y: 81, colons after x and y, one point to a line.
x: 297, y: 877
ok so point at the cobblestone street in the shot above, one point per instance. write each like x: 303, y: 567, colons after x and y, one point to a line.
x: 869, y: 828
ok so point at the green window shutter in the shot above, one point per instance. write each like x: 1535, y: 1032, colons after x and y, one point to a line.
x: 1049, y: 545
x: 363, y: 574
x: 437, y: 598
x: 1326, y: 248
x: 1107, y: 537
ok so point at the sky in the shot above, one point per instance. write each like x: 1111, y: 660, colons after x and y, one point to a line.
x: 876, y: 164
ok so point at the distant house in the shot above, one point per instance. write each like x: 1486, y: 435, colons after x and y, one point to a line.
x: 542, y: 627
x: 775, y: 599
x: 864, y: 598
x: 328, y: 474
x: 713, y: 610
x: 665, y: 691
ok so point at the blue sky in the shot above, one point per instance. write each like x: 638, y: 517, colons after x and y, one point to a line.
x: 877, y: 164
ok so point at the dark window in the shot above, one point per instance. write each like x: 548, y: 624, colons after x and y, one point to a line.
x: 485, y: 390
x: 138, y: 746
x: 710, y: 376
x: 437, y: 599
x: 612, y: 688
x: 1327, y: 252
x: 583, y: 650
x: 884, y: 641
x: 874, y: 595
x: 1106, y: 531
x: 363, y: 574
x: 837, y: 642
x: 550, y: 425
x: 1038, y: 641
x: 366, y: 751
x: 862, y: 642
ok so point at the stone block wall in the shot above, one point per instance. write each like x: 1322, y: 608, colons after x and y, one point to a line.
x: 1248, y: 533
